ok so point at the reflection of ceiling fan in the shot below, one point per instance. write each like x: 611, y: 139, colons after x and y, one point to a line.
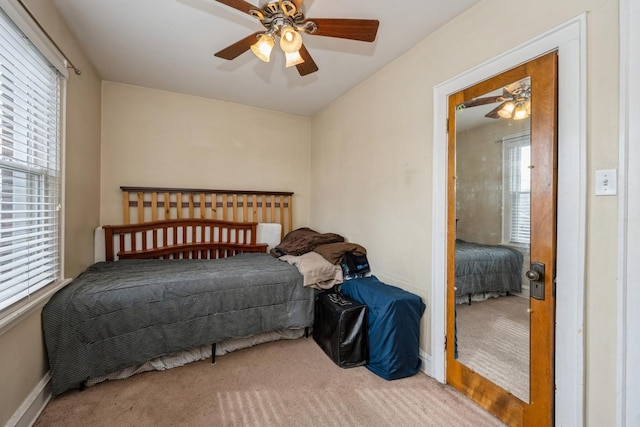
x: 515, y: 102
x: 285, y: 19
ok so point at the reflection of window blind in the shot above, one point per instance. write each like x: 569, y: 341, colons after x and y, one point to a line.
x: 517, y: 186
x: 29, y: 167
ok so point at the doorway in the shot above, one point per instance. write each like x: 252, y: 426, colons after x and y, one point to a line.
x: 569, y: 39
x: 502, y: 236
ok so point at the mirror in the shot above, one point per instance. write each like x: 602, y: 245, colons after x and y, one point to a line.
x: 492, y: 205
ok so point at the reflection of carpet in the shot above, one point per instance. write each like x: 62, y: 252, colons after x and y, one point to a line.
x: 493, y: 340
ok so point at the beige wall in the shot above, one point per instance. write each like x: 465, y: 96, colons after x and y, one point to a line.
x: 23, y: 363
x: 377, y: 140
x: 22, y: 355
x: 163, y: 139
x: 479, y: 179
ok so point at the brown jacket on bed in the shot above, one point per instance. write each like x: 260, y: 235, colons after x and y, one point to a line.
x: 333, y: 252
x: 303, y: 240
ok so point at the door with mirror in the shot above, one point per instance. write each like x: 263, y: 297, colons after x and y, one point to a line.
x: 501, y: 242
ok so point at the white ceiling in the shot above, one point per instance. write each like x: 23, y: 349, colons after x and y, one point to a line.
x: 169, y: 45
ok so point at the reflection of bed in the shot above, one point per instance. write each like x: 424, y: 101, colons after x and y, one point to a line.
x: 120, y: 314
x: 483, y: 269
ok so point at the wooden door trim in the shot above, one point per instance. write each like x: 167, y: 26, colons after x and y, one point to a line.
x: 545, y: 164
x: 543, y: 226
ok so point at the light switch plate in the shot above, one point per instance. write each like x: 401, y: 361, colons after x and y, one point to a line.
x: 606, y: 182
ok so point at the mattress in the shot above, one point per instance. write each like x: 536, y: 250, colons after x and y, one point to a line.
x: 487, y: 268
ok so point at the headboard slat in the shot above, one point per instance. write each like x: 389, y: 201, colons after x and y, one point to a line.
x: 154, y: 206
x: 273, y: 207
x: 140, y: 203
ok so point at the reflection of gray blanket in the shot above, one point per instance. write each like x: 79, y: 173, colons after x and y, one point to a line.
x: 119, y: 314
x: 484, y: 268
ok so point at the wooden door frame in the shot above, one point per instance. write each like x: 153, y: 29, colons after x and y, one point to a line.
x: 538, y: 409
x: 628, y: 392
x: 569, y: 39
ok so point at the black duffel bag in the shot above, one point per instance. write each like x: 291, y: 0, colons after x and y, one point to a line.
x: 340, y: 329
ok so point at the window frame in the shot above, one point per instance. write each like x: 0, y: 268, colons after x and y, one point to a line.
x: 19, y: 310
x: 521, y: 139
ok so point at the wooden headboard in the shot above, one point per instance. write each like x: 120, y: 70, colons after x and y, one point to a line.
x: 144, y: 204
x: 181, y: 238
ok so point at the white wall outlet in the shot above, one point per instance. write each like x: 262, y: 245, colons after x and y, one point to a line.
x: 606, y: 182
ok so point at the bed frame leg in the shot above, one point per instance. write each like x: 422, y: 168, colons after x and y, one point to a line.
x: 469, y: 299
x: 213, y: 353
x: 306, y: 332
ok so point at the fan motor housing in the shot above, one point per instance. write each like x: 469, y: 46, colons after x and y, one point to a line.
x: 274, y: 15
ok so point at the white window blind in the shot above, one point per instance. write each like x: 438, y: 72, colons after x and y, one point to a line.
x: 30, y: 169
x: 517, y: 189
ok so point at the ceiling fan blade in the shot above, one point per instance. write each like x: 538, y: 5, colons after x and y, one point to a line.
x: 240, y: 5
x: 482, y: 101
x: 238, y: 48
x: 308, y: 66
x: 298, y: 3
x: 354, y: 29
x: 493, y: 114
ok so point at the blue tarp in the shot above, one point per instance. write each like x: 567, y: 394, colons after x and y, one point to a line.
x: 394, y: 326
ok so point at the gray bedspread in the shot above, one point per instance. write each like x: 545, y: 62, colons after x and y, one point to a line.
x: 119, y: 314
x: 484, y: 268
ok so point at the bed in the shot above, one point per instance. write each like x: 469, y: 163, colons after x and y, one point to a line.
x: 486, y: 270
x: 216, y: 285
x: 168, y: 287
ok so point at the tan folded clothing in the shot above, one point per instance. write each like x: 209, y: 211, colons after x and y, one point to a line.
x: 316, y: 271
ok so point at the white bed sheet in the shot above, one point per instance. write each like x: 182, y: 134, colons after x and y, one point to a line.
x: 174, y: 360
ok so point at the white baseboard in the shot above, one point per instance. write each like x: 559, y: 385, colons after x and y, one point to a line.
x: 34, y: 404
x: 427, y: 365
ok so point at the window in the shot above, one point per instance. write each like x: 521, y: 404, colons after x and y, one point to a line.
x: 30, y: 167
x: 516, y: 218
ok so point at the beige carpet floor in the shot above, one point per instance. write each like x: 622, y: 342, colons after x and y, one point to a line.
x: 282, y: 383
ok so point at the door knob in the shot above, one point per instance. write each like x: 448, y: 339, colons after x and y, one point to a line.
x: 532, y: 275
x: 536, y: 277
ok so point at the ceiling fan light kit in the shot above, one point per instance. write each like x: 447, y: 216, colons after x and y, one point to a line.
x: 293, y: 59
x: 521, y: 111
x: 507, y: 110
x: 517, y: 110
x: 290, y: 40
x: 515, y: 102
x: 285, y: 20
x: 263, y: 47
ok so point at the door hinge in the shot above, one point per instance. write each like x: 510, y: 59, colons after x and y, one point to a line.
x: 447, y: 125
x: 445, y: 343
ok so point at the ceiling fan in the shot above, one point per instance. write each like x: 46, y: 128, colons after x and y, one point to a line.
x: 285, y: 19
x: 515, y: 101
